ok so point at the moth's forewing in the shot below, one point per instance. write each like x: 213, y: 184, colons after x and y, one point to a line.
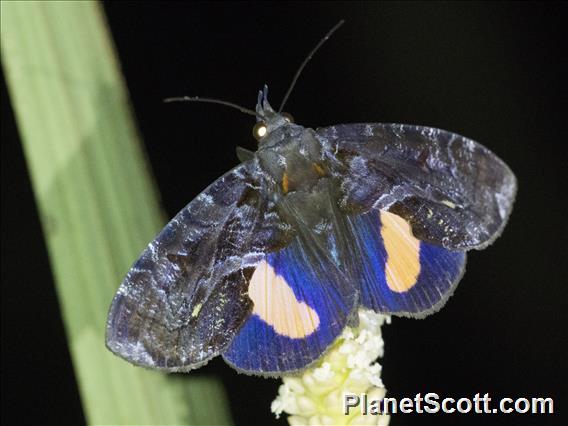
x: 416, y: 199
x: 186, y: 296
x: 453, y: 191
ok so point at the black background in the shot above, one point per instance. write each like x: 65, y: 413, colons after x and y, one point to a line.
x: 493, y: 72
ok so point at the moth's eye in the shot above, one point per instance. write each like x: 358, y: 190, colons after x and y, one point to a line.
x: 259, y: 130
x: 288, y: 117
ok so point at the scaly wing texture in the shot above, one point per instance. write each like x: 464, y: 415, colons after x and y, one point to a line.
x: 186, y: 296
x: 453, y: 191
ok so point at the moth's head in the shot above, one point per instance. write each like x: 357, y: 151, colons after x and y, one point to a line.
x: 268, y: 120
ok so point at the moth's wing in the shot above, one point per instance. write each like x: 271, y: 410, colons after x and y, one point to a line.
x: 398, y: 273
x: 186, y: 296
x: 453, y: 191
x: 303, y: 299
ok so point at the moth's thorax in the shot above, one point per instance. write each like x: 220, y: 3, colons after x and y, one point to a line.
x: 299, y: 182
x: 290, y: 156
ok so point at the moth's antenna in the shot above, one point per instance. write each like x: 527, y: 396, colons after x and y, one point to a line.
x: 212, y: 101
x: 310, y: 55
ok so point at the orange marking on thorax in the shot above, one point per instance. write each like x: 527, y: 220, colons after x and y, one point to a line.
x: 403, y: 252
x: 276, y: 304
x: 285, y: 183
x: 319, y: 169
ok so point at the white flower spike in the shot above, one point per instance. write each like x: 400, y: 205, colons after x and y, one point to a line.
x: 317, y: 396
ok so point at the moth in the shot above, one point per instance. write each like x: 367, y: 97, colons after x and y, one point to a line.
x: 270, y: 263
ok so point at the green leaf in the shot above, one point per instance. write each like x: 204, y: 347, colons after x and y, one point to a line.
x: 97, y: 201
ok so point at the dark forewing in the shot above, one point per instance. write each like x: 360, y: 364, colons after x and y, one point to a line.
x: 452, y: 190
x: 185, y: 297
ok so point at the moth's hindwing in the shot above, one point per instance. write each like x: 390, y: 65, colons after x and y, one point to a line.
x: 399, y: 274
x: 453, y: 191
x: 302, y: 301
x: 186, y: 296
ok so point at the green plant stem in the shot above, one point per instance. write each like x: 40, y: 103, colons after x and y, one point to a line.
x: 97, y: 201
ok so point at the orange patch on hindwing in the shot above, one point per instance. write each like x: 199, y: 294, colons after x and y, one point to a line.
x: 402, y: 265
x: 276, y: 304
